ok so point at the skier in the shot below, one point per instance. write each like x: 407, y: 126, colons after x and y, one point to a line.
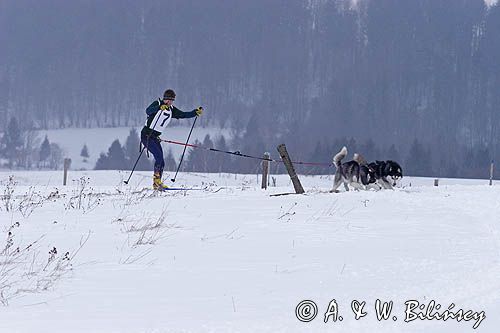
x: 159, y: 113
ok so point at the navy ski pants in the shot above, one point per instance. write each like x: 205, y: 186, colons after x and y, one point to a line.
x: 153, y: 144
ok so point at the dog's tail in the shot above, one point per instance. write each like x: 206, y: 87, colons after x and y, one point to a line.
x: 340, y: 156
x: 360, y: 159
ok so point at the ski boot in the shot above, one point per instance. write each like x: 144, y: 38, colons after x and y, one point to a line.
x: 157, y: 183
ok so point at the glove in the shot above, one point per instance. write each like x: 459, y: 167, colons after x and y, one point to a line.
x: 163, y: 107
x: 199, y: 111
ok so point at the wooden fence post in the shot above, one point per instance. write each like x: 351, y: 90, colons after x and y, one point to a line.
x: 492, y: 165
x: 289, y: 167
x: 67, y: 163
x: 265, y: 170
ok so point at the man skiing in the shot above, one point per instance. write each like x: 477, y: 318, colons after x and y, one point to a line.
x: 159, y: 113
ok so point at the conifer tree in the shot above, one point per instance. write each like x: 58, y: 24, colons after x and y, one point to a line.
x: 85, y: 152
x: 45, y: 150
x: 392, y: 154
x: 170, y: 164
x: 418, y: 162
x: 114, y: 159
x: 132, y: 149
x: 12, y: 142
x: 102, y: 162
x: 116, y: 156
x: 193, y: 160
x: 222, y: 162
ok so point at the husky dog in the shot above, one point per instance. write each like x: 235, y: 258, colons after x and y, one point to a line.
x: 387, y: 169
x: 351, y: 173
x: 365, y: 168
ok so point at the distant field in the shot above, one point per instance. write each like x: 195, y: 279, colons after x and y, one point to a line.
x: 98, y: 140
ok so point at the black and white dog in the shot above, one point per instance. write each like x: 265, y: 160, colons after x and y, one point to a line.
x: 352, y: 173
x: 385, y: 171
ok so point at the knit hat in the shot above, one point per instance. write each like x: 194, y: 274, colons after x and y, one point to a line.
x: 169, y: 94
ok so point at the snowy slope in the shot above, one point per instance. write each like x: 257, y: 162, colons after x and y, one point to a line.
x: 233, y: 259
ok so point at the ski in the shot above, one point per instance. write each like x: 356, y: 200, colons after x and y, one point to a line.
x: 180, y: 189
x: 206, y: 189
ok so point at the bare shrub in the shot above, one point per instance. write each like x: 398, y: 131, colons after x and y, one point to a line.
x: 24, y: 271
x: 83, y: 196
x: 145, y: 230
x: 135, y: 197
x: 32, y: 200
x: 25, y: 203
x: 8, y: 194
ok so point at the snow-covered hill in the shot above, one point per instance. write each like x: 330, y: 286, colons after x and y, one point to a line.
x: 231, y: 258
x: 98, y: 140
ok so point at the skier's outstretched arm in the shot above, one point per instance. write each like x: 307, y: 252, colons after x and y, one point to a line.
x: 178, y: 114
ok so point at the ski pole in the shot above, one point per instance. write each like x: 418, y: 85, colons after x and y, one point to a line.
x: 140, y: 154
x: 185, y: 146
x: 137, y: 161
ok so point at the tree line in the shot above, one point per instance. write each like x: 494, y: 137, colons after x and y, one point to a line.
x: 418, y: 160
x: 389, y: 70
x: 22, y: 148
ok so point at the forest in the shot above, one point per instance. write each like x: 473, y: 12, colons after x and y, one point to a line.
x: 410, y: 80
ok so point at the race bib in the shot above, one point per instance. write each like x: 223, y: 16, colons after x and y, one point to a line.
x: 161, y: 120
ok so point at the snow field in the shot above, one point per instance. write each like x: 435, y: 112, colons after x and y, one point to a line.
x: 233, y: 259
